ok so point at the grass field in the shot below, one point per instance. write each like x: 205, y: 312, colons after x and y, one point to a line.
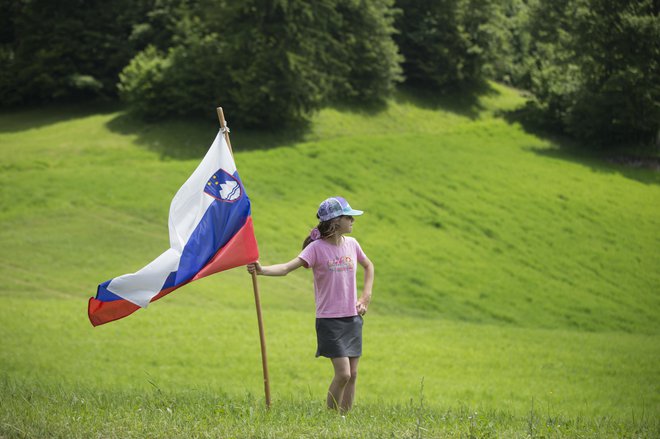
x: 516, y: 289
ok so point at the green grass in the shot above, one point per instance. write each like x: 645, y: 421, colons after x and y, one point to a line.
x: 46, y: 411
x: 514, y: 279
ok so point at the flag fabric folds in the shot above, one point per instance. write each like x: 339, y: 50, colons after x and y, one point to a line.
x: 210, y: 227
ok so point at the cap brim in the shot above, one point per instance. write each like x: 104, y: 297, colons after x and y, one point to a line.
x: 353, y: 212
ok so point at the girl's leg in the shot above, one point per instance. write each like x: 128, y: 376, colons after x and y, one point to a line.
x: 349, y: 390
x: 342, y: 377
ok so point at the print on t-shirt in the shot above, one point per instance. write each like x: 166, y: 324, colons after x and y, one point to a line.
x: 343, y: 263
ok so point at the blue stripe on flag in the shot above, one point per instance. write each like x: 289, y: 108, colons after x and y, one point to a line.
x: 169, y: 282
x: 104, y: 295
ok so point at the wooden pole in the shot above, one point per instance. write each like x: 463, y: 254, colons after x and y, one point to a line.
x: 255, y: 286
x: 262, y: 339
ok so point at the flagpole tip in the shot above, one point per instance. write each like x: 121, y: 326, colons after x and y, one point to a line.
x: 221, y: 117
x: 224, y: 128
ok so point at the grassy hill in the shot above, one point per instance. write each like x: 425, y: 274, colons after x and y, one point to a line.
x: 510, y: 272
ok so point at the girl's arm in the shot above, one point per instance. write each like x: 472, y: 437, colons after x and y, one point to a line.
x: 365, y: 298
x: 276, y: 270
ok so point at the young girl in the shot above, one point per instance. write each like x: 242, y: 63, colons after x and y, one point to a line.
x: 333, y: 259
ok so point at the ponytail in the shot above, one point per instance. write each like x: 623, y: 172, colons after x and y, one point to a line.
x: 325, y: 229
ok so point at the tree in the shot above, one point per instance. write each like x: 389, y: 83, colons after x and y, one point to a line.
x: 510, y: 51
x: 65, y: 49
x: 185, y: 79
x: 597, y: 68
x: 446, y: 43
x: 271, y: 61
x: 290, y: 57
x: 364, y: 56
x: 273, y: 48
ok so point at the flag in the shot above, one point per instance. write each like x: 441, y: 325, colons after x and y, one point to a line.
x: 211, y: 230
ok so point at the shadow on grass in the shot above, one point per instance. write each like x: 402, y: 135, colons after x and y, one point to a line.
x: 464, y: 102
x: 185, y: 138
x: 365, y: 108
x: 13, y: 120
x: 190, y: 137
x: 642, y: 169
x: 640, y: 163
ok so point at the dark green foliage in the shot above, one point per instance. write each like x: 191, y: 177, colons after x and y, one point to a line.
x: 511, y: 57
x: 592, y: 65
x: 161, y: 23
x: 365, y: 59
x: 64, y: 49
x: 184, y: 80
x: 275, y: 76
x: 596, y: 71
x: 447, y: 43
x: 272, y: 61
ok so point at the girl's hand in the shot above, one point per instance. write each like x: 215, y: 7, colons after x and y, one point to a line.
x: 361, y: 307
x: 255, y: 267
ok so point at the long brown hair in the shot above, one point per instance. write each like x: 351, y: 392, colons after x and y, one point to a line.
x: 327, y: 228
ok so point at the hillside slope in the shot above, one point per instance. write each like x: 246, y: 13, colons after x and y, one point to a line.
x: 467, y: 216
x: 512, y: 277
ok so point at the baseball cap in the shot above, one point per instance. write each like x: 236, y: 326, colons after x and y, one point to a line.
x: 334, y: 207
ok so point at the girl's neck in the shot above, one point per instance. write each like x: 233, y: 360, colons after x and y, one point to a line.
x: 334, y: 239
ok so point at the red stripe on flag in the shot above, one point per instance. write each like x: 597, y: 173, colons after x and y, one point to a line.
x: 240, y: 250
x: 100, y: 312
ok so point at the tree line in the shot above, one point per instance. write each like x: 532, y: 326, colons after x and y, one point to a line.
x: 591, y: 66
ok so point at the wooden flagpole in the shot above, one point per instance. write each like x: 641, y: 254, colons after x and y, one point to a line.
x: 255, y: 285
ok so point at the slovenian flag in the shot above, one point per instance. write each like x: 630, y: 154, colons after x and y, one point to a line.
x: 211, y: 230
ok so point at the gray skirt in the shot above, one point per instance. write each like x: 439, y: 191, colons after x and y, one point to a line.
x: 339, y: 337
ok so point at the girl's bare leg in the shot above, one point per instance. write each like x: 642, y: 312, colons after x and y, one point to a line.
x: 349, y: 390
x: 339, y: 381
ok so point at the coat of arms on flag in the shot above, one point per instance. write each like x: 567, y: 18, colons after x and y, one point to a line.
x: 223, y: 186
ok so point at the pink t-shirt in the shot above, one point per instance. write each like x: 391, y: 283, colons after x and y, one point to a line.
x: 335, y: 270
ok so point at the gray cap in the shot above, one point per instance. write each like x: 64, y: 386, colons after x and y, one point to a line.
x: 335, y: 207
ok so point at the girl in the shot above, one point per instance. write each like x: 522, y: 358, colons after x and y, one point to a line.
x: 333, y: 259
